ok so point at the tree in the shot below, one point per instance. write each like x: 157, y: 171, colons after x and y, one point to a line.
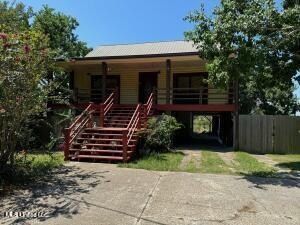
x: 14, y: 17
x: 244, y: 40
x: 60, y: 30
x: 24, y: 61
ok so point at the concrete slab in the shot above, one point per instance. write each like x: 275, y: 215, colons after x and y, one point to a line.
x: 88, y: 193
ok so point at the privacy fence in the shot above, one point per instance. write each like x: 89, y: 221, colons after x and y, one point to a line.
x: 269, y: 134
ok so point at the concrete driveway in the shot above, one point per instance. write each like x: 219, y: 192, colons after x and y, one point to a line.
x: 88, y: 193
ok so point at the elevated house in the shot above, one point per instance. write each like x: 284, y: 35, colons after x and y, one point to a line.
x: 119, y: 87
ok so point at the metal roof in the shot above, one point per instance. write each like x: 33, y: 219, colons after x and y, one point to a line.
x: 144, y: 49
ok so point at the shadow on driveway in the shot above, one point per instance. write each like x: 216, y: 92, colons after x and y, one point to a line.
x: 284, y: 179
x: 55, y: 195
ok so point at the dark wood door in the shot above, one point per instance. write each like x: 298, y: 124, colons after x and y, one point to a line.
x: 147, y: 83
x: 112, y: 82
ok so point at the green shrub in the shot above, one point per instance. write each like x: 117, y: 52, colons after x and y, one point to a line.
x: 159, y: 134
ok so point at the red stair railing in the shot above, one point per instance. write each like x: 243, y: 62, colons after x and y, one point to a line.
x: 147, y: 108
x: 106, y: 106
x: 82, y: 121
x: 133, y: 125
x: 140, y: 115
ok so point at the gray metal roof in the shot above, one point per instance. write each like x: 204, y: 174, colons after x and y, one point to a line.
x: 144, y: 49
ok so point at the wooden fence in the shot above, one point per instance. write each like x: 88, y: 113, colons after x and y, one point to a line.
x: 269, y: 134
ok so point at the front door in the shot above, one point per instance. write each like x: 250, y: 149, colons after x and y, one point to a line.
x: 147, y: 83
x: 112, y: 82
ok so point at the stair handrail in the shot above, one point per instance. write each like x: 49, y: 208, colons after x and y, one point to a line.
x: 134, y: 123
x: 149, y: 104
x: 71, y: 132
x: 106, y: 106
x: 147, y: 109
x: 108, y: 103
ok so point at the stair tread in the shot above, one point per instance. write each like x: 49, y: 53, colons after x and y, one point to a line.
x: 105, y: 129
x: 98, y: 157
x: 122, y: 119
x: 99, y: 150
x: 109, y: 144
x: 101, y: 139
x: 101, y: 134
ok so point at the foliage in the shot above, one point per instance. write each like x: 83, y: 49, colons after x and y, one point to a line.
x: 24, y: 62
x: 60, y: 30
x: 30, y: 167
x: 159, y: 133
x: 14, y: 17
x: 59, y: 120
x: 253, y: 42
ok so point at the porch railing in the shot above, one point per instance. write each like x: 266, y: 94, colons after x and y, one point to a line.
x: 202, y: 95
x: 90, y: 95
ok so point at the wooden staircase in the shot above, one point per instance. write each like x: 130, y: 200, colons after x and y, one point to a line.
x: 113, y: 138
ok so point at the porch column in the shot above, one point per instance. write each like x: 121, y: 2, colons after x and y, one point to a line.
x: 104, y: 74
x: 72, y: 87
x: 168, y: 80
x: 236, y: 143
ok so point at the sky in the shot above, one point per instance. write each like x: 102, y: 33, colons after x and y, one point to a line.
x: 129, y: 21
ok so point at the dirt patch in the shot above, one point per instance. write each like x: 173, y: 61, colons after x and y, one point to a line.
x: 193, y: 157
x: 228, y: 158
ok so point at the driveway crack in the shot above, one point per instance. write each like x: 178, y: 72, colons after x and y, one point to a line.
x: 148, y: 199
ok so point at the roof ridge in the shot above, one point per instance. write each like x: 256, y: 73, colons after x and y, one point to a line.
x: 140, y: 43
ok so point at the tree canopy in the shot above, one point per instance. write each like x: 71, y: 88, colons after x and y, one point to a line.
x: 29, y: 44
x: 253, y: 42
x: 60, y: 30
x: 24, y: 61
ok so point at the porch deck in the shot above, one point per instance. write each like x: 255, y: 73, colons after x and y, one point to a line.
x: 173, y: 99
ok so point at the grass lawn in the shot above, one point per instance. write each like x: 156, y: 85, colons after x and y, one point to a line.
x: 42, y: 162
x: 246, y: 164
x: 212, y: 163
x: 290, y: 161
x: 160, y: 162
x: 30, y: 167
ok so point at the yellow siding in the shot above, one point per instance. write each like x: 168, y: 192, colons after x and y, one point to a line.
x: 129, y: 75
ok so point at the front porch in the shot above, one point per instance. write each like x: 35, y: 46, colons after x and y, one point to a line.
x: 178, y: 84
